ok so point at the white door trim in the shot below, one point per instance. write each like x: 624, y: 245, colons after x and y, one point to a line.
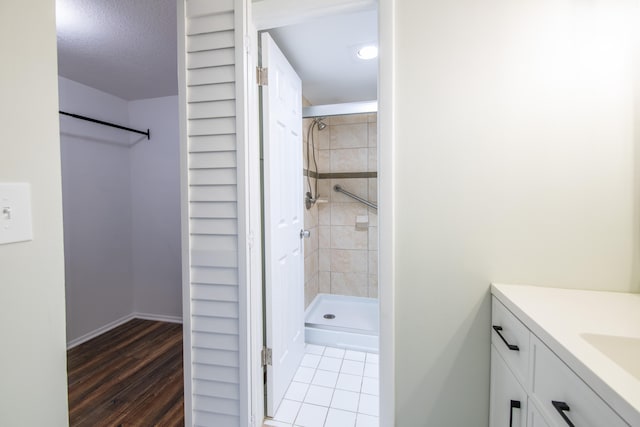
x: 184, y: 216
x: 386, y: 207
x: 386, y: 132
x: 278, y: 13
x: 245, y: 179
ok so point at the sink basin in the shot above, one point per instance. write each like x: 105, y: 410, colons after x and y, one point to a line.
x: 624, y: 351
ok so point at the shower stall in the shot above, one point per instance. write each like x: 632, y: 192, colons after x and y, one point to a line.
x: 341, y: 253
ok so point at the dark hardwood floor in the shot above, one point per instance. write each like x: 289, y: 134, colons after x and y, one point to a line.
x: 129, y: 376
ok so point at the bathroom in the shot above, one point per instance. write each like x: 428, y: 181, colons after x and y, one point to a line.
x: 508, y: 152
x: 338, y: 372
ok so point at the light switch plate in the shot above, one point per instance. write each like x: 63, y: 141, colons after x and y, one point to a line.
x: 15, y: 213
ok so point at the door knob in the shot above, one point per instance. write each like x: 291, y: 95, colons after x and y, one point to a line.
x: 305, y: 233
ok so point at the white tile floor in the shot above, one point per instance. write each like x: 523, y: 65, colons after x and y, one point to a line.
x: 332, y: 388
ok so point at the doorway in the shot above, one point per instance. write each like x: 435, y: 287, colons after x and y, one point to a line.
x: 121, y: 193
x: 340, y: 255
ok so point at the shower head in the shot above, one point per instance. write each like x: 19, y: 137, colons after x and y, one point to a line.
x: 320, y: 123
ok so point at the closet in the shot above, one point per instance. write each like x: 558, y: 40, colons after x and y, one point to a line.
x: 121, y: 210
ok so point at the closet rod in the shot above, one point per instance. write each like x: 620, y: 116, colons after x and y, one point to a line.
x: 100, y: 122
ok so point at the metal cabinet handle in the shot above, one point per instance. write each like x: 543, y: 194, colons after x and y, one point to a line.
x: 510, y: 346
x: 514, y: 404
x: 561, y: 407
x: 305, y: 234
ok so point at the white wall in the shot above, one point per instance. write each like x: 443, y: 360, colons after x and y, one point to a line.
x: 121, y: 209
x: 33, y: 385
x: 515, y: 126
x: 97, y: 209
x: 155, y: 201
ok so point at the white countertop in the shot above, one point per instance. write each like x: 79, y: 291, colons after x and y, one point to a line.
x: 564, y: 319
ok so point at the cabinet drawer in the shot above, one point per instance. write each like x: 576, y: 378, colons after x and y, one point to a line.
x: 553, y: 381
x: 508, y: 398
x: 511, y: 339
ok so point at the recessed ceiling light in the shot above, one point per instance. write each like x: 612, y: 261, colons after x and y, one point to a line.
x: 368, y: 52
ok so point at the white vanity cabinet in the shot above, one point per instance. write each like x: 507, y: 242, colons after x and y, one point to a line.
x: 562, y: 396
x: 508, y: 398
x: 534, y: 419
x: 531, y: 386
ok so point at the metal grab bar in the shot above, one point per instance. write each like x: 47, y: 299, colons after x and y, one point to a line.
x: 339, y: 189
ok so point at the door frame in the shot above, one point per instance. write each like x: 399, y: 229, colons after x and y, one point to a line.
x: 296, y: 11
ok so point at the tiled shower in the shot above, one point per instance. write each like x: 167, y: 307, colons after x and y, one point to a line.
x: 341, y: 255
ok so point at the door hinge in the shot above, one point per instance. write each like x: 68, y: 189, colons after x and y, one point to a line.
x: 266, y: 356
x: 262, y: 76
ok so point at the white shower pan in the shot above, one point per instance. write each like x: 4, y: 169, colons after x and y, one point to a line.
x: 343, y: 322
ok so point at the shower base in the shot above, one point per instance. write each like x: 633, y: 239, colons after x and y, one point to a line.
x: 343, y: 322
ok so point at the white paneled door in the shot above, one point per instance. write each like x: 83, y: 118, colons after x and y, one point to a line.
x: 284, y: 260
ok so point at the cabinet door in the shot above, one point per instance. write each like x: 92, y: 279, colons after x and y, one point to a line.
x: 563, y: 397
x: 508, y: 398
x: 511, y: 338
x: 534, y: 419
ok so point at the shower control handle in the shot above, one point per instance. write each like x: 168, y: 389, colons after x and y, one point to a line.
x: 305, y: 233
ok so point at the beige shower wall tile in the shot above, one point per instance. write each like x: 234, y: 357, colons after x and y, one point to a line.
x: 311, y: 289
x: 316, y: 167
x: 310, y: 215
x: 352, y: 284
x: 308, y: 246
x: 373, y: 217
x: 345, y: 213
x: 373, y: 263
x: 324, y: 282
x: 311, y: 243
x: 372, y: 159
x: 373, y: 238
x: 313, y: 166
x: 348, y: 261
x: 347, y: 119
x: 313, y: 146
x: 322, y: 139
x: 373, y: 189
x: 324, y: 233
x: 324, y: 259
x: 324, y: 161
x: 311, y: 265
x: 324, y: 214
x: 307, y: 267
x: 324, y: 189
x: 373, y: 286
x: 357, y: 186
x: 372, y: 134
x: 349, y: 136
x: 345, y: 237
x: 349, y: 160
x: 372, y: 117
x: 305, y: 125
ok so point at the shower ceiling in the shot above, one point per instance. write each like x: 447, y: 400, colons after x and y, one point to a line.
x: 129, y: 48
x: 324, y: 53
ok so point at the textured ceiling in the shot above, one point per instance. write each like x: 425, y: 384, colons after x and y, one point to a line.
x: 123, y: 47
x: 129, y: 48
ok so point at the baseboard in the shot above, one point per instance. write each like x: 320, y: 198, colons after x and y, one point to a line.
x: 158, y: 317
x: 112, y: 325
x: 101, y: 330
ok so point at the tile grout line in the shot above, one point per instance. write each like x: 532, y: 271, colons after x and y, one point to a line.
x: 316, y: 369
